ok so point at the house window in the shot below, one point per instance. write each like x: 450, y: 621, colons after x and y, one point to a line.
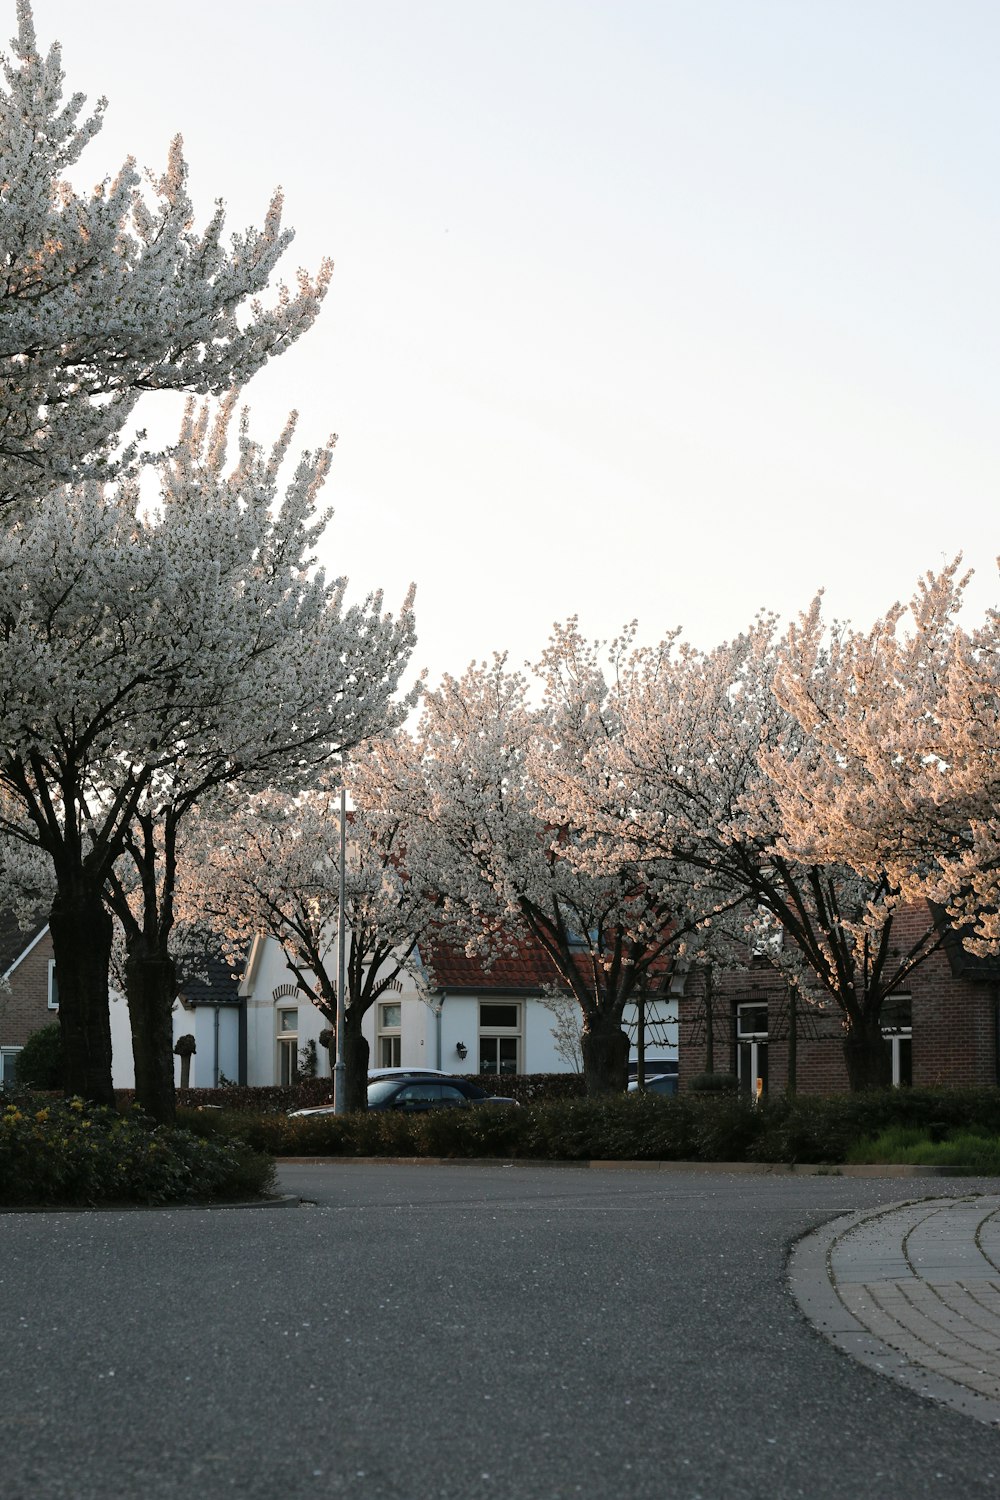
x: 499, y: 1038
x: 288, y: 1046
x: 897, y: 1028
x: 7, y: 1057
x: 53, y: 986
x: 389, y: 1039
x: 751, y: 1046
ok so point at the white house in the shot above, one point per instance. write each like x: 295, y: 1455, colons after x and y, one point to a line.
x: 457, y: 1016
x: 256, y: 1027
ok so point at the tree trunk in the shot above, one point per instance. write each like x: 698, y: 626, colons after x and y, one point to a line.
x: 605, y: 1056
x: 81, y: 942
x: 151, y: 988
x: 709, y: 1020
x: 355, y: 1062
x: 185, y: 1070
x: 867, y: 1055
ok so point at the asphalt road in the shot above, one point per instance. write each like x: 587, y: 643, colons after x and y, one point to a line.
x: 424, y: 1333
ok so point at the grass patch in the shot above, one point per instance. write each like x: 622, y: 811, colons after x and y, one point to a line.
x: 911, y: 1146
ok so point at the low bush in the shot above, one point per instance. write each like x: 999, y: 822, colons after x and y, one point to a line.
x: 714, y: 1083
x: 68, y: 1153
x: 39, y: 1064
x: 690, y: 1127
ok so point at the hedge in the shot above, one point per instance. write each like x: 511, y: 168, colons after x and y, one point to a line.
x: 637, y: 1128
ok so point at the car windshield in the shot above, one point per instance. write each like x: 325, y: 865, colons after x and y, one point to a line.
x: 382, y: 1089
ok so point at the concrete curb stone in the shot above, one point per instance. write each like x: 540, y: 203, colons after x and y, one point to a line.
x: 749, y: 1168
x: 908, y: 1318
x: 283, y: 1200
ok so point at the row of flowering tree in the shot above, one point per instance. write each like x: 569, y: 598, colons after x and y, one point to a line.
x: 824, y: 796
x: 711, y: 775
x: 167, y: 644
x: 467, y: 790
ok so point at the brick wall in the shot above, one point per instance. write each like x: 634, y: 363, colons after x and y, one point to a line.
x: 24, y: 1008
x: 954, y: 1024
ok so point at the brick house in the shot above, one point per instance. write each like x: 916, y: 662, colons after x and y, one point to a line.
x: 942, y: 1030
x: 29, y: 999
x: 28, y: 996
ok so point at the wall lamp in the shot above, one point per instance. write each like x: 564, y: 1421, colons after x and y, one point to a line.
x: 462, y: 1050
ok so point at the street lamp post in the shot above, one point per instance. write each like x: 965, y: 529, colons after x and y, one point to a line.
x: 339, y: 1101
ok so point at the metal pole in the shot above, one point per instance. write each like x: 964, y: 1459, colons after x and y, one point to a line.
x: 339, y: 1101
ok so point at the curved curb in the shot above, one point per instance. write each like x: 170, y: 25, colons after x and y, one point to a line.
x: 893, y: 1351
x: 283, y: 1200
x: 747, y: 1168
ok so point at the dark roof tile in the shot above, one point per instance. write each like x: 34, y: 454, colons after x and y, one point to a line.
x: 14, y: 937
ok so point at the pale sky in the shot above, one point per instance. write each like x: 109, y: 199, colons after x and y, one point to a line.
x: 670, y: 310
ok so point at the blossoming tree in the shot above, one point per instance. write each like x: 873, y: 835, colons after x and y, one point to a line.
x: 467, y: 790
x: 903, y: 719
x: 274, y: 868
x: 149, y: 660
x: 112, y: 293
x: 693, y: 777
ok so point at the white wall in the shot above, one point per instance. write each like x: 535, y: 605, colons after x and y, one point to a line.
x: 428, y: 1040
x: 429, y: 1036
x: 122, y: 1066
x: 272, y: 976
x: 198, y: 1022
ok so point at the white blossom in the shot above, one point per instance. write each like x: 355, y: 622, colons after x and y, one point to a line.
x: 469, y: 786
x: 111, y: 293
x: 707, y: 774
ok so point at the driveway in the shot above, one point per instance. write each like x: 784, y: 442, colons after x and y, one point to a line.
x: 430, y: 1332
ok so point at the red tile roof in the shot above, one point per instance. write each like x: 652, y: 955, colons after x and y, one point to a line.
x: 524, y: 965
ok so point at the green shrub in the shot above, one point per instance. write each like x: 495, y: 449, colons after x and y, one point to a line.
x: 39, y: 1064
x: 69, y: 1153
x: 690, y: 1127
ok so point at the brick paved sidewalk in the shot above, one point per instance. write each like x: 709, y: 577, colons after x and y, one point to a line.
x: 914, y: 1292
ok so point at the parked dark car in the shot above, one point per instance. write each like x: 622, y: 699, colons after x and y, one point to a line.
x: 416, y: 1095
x: 414, y: 1092
x: 659, y: 1083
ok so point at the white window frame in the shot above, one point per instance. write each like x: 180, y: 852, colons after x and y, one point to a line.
x: 53, y: 994
x: 897, y: 1040
x: 755, y: 1040
x: 287, y: 1043
x: 389, y: 1039
x: 897, y: 1037
x: 490, y: 1033
x: 6, y: 1052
